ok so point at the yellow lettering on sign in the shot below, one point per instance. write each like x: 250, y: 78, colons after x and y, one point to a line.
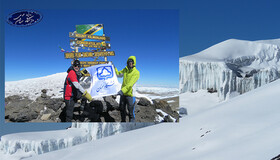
x: 69, y: 55
x: 86, y: 36
x: 77, y: 35
x: 88, y: 43
x: 88, y: 54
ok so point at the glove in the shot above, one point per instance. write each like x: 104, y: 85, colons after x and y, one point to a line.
x: 87, y: 96
x: 84, y: 72
x: 120, y: 93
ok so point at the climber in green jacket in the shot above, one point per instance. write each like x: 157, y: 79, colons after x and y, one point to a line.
x: 130, y: 76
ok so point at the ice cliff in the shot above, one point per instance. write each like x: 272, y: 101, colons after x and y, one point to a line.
x: 100, y: 130
x: 231, y: 66
x: 42, y: 142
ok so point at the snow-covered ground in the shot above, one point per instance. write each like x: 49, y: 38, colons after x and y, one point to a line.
x: 244, y: 127
x: 158, y: 92
x: 198, y: 101
x: 54, y: 85
x: 32, y: 87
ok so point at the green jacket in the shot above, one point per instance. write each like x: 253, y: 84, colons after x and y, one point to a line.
x: 130, y: 77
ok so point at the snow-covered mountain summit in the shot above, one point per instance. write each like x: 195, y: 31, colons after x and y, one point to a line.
x: 234, y: 49
x: 231, y: 66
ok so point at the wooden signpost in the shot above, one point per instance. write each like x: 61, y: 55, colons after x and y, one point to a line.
x: 87, y: 36
x: 90, y: 44
x: 72, y: 55
x: 91, y: 63
x: 90, y: 36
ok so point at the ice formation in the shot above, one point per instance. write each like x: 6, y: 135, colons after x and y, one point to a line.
x: 231, y: 66
x: 100, y: 130
x: 43, y: 142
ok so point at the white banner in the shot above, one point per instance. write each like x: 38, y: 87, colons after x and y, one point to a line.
x: 104, y: 81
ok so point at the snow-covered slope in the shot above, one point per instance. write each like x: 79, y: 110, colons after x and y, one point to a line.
x: 244, y: 127
x: 32, y: 87
x: 199, y: 101
x: 232, y: 65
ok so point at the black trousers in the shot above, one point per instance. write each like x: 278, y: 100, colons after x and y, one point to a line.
x: 130, y: 103
x: 69, y: 104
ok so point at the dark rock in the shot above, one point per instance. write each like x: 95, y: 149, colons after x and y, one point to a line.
x: 276, y: 158
x: 211, y: 90
x: 251, y: 73
x: 144, y: 102
x: 99, y: 106
x: 116, y: 115
x: 145, y: 114
x: 36, y: 107
x: 24, y: 116
x: 165, y: 107
x: 13, y: 98
x: 44, y: 95
x: 18, y: 109
x: 55, y: 103
x: 160, y: 114
x: 44, y: 90
x: 160, y: 104
x: 22, y: 109
x: 168, y: 119
x: 111, y: 103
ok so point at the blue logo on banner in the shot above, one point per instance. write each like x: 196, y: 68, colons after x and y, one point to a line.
x: 24, y: 18
x: 104, y: 73
x: 105, y: 85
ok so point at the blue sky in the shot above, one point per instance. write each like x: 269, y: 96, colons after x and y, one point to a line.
x: 150, y: 35
x: 202, y: 23
x: 208, y: 23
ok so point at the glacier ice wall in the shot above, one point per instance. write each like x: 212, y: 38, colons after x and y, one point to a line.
x: 240, y: 74
x: 43, y: 142
x: 100, y: 130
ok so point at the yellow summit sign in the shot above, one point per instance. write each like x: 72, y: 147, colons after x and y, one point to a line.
x: 71, y: 55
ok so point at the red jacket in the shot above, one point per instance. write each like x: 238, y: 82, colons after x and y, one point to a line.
x: 69, y: 90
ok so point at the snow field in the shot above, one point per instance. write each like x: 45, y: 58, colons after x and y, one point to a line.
x: 244, y: 127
